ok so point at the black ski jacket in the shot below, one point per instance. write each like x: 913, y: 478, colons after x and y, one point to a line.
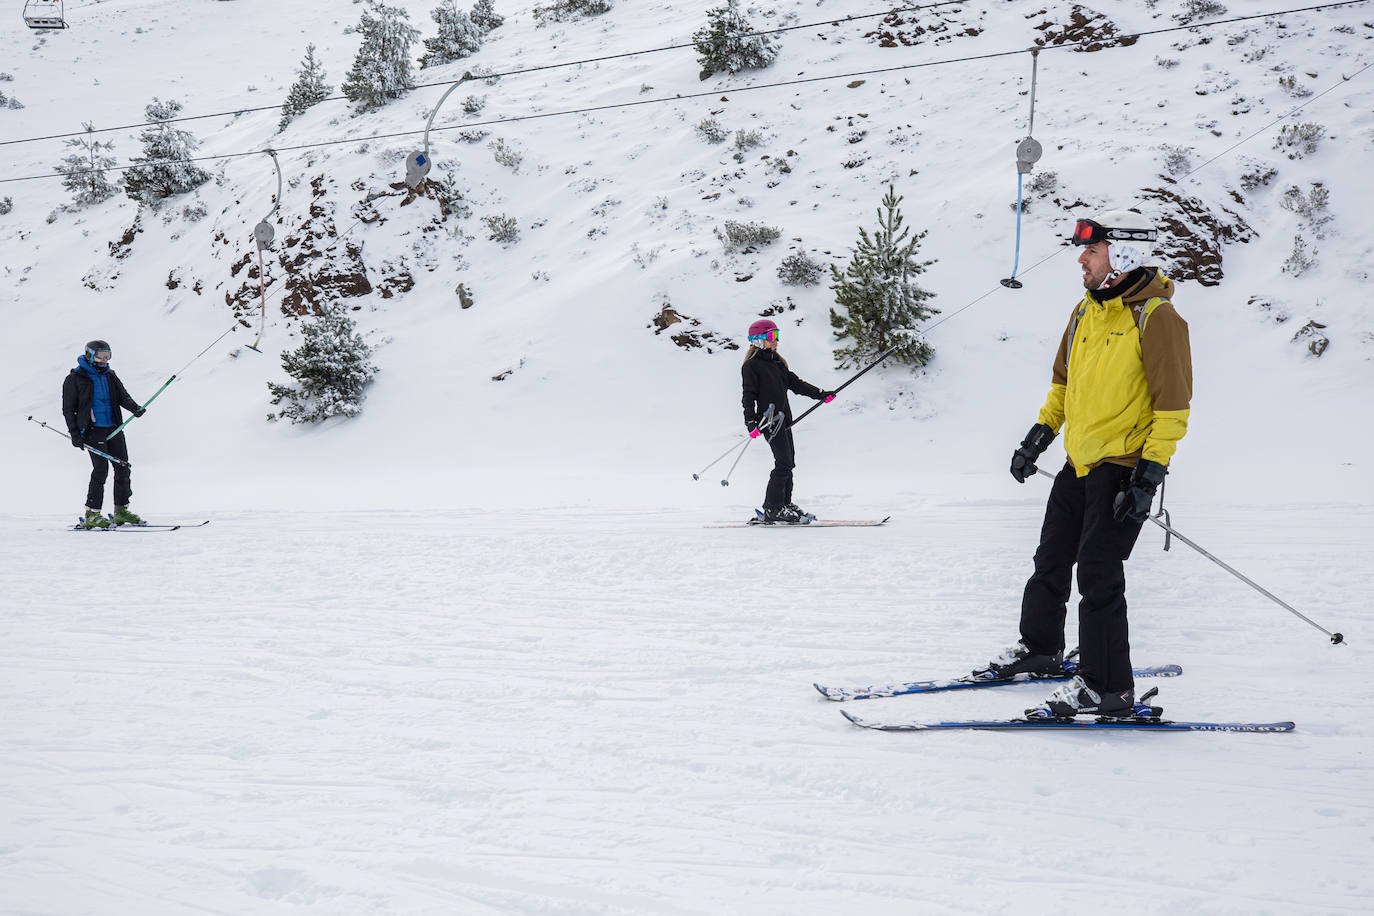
x: 767, y: 381
x: 77, y: 392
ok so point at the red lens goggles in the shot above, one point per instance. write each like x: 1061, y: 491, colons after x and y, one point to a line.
x: 1086, y: 232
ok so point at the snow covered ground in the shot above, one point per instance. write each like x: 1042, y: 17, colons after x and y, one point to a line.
x: 476, y: 651
x: 583, y: 711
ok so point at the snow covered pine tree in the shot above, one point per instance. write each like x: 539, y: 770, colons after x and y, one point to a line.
x: 309, y: 89
x: 83, y: 173
x: 331, y: 367
x: 162, y: 170
x: 881, y: 301
x: 727, y: 42
x: 485, y: 17
x: 459, y: 36
x: 382, y: 69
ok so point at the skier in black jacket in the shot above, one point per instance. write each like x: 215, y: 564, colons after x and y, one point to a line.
x: 767, y: 379
x: 91, y: 397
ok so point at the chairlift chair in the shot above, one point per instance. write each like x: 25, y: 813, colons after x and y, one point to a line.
x: 44, y: 14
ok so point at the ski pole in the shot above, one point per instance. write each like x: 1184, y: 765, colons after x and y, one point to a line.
x: 744, y: 441
x: 174, y: 378
x: 854, y: 378
x: 1336, y: 638
x: 769, y: 425
x: 91, y: 449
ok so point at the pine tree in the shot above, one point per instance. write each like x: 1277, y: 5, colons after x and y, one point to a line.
x: 882, y: 303
x: 161, y: 171
x: 485, y: 17
x: 726, y: 42
x: 331, y: 368
x: 458, y: 36
x: 309, y: 89
x: 83, y: 173
x: 382, y: 70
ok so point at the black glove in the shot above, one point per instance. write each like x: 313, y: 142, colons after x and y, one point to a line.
x: 1023, y: 459
x: 1134, y: 502
x: 827, y: 396
x: 140, y: 411
x: 78, y: 440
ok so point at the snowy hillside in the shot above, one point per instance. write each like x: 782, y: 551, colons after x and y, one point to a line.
x: 473, y: 651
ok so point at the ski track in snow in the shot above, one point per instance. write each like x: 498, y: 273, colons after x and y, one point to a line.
x: 583, y: 711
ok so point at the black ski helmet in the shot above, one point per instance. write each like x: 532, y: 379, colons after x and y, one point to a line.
x: 98, y: 353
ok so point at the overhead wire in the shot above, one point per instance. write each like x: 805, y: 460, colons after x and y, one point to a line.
x: 1116, y: 42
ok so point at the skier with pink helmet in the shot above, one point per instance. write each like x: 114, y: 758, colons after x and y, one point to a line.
x: 767, y: 379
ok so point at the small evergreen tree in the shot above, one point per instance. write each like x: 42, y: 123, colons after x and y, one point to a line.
x: 485, y: 17
x: 162, y: 170
x: 882, y: 303
x: 331, y: 368
x: 726, y: 42
x: 83, y: 173
x: 568, y: 10
x: 382, y: 69
x: 459, y: 36
x: 309, y: 89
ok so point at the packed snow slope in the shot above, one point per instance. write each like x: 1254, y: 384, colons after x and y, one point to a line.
x: 474, y: 650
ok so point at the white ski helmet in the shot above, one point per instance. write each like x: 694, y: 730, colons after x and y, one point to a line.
x: 1129, y: 236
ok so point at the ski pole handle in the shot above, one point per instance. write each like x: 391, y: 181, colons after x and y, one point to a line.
x: 144, y: 407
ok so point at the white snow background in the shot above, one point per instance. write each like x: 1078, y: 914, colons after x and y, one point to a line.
x: 477, y: 651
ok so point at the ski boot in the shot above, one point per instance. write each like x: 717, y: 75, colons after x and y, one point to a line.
x: 784, y: 516
x: 93, y: 519
x: 810, y: 517
x: 122, y: 516
x: 1076, y: 698
x: 1018, y: 659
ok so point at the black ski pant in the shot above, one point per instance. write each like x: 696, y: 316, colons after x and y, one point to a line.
x: 100, y: 468
x: 1079, y: 528
x: 779, y: 491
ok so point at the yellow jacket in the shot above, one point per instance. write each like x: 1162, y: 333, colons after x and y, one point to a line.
x: 1123, y: 376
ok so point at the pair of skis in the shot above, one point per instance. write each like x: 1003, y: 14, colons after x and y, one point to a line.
x: 143, y: 526
x: 1143, y: 718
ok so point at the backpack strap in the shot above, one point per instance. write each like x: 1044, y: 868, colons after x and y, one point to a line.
x: 1143, y: 313
x: 1073, y: 332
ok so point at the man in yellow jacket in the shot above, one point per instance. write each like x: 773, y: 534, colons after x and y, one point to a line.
x: 1122, y: 381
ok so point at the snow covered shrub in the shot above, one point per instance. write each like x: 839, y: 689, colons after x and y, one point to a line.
x: 6, y: 205
x: 472, y: 135
x: 474, y: 104
x: 1177, y: 160
x: 83, y: 172
x: 727, y: 42
x: 797, y: 269
x: 506, y: 155
x: 331, y: 368
x: 1256, y: 175
x: 1166, y: 63
x: 162, y: 170
x: 565, y: 10
x: 880, y: 302
x: 739, y: 235
x: 1300, y: 260
x: 1194, y: 10
x: 458, y: 36
x: 485, y: 17
x: 1311, y: 205
x: 747, y: 139
x: 382, y: 68
x: 1043, y: 183
x: 710, y: 130
x: 1293, y: 87
x: 308, y: 90
x: 450, y: 196
x: 502, y: 228
x: 1299, y: 139
x: 10, y: 102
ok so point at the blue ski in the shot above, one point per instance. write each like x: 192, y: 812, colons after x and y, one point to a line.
x: 840, y: 694
x: 1139, y: 723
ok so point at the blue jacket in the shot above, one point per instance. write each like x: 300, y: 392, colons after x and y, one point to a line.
x: 91, y: 398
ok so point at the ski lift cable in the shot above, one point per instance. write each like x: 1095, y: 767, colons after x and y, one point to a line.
x: 570, y: 63
x: 608, y: 107
x: 1114, y: 43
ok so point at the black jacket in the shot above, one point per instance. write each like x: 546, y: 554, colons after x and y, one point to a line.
x: 77, y: 393
x: 767, y: 381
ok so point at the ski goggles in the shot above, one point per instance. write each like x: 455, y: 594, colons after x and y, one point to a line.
x: 1087, y: 231
x: 101, y: 356
x: 772, y: 335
